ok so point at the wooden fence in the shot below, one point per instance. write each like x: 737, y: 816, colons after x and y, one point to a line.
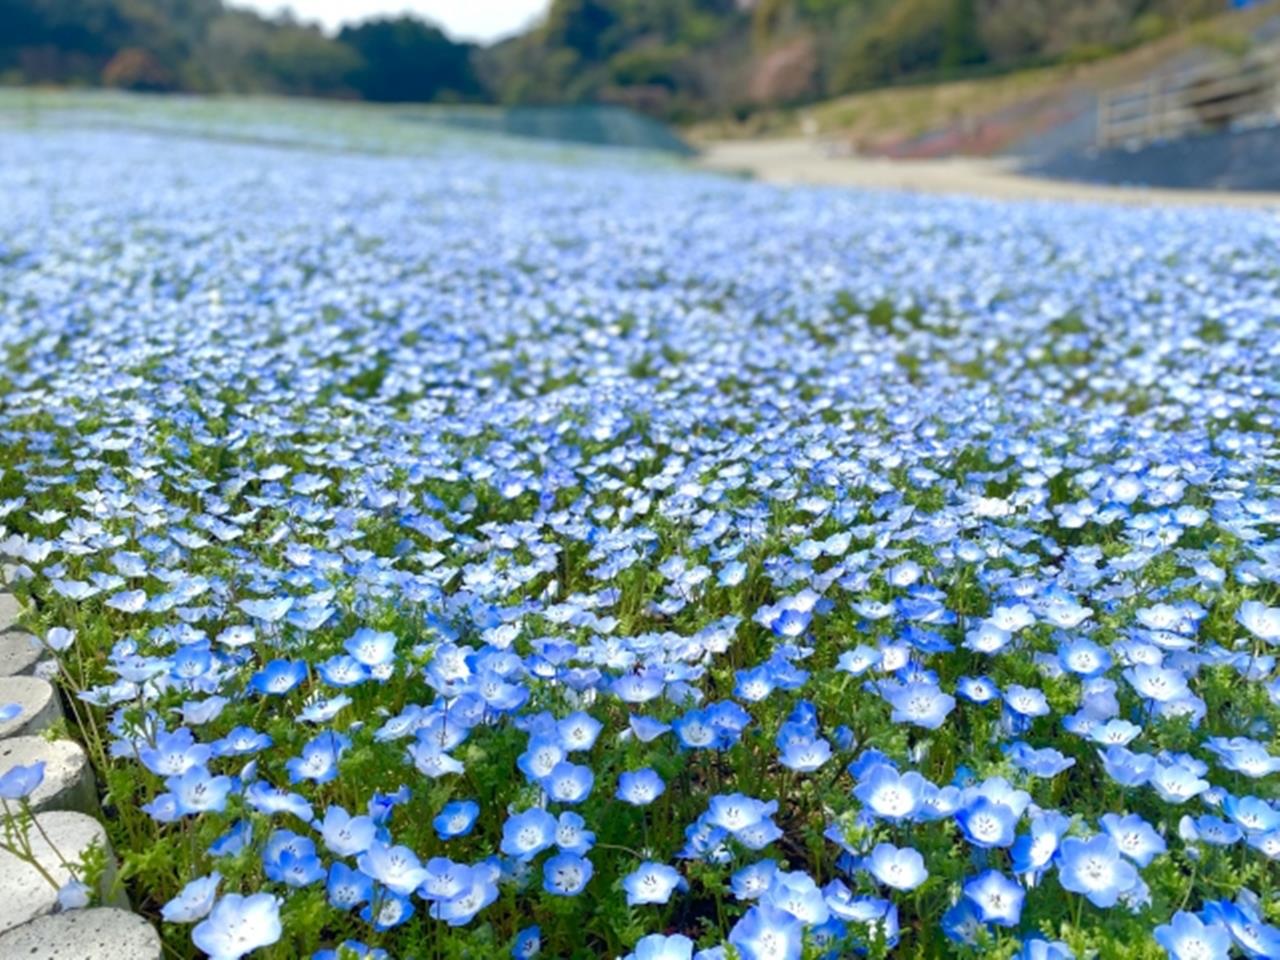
x: 1170, y: 106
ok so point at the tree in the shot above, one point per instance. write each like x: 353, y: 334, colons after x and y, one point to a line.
x: 962, y: 45
x: 405, y: 59
x: 136, y: 69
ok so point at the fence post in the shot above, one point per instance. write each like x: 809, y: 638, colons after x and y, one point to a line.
x: 1154, y: 118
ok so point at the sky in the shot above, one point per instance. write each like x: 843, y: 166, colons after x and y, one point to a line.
x: 478, y: 20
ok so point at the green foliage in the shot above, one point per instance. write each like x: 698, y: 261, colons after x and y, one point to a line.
x: 962, y: 45
x: 679, y: 58
x: 406, y: 59
x: 205, y: 46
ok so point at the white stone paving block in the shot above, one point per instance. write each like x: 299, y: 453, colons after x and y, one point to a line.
x: 25, y: 893
x: 9, y: 610
x: 68, y: 779
x: 19, y: 654
x: 100, y: 933
x: 38, y: 700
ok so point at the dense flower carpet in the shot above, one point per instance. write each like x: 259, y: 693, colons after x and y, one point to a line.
x: 448, y: 554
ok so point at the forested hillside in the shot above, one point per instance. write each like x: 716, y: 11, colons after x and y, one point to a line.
x: 208, y: 47
x: 695, y: 57
x: 675, y: 58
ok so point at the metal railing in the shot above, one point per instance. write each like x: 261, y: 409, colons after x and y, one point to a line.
x: 1165, y: 107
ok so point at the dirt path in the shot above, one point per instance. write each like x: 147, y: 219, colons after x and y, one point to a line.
x: 803, y: 161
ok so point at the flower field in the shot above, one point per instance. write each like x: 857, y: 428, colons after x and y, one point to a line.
x: 448, y: 554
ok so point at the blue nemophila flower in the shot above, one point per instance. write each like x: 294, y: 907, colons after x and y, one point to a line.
x: 1178, y: 781
x: 647, y: 729
x: 74, y: 895
x: 197, y: 791
x: 319, y: 759
x: 889, y: 794
x: 572, y: 835
x: 987, y: 824
x: 755, y: 684
x: 381, y: 805
x: 639, y: 687
x: 270, y: 611
x: 652, y: 883
x: 1268, y: 843
x: 541, y: 757
x: 805, y: 754
x: 753, y: 880
x: 430, y: 759
x: 977, y: 689
x: 278, y: 677
x: 798, y: 894
x: 1251, y: 814
x: 270, y: 800
x: 566, y: 874
x: 1082, y: 656
x: 858, y: 660
x: 639, y: 787
x: 373, y: 649
x: 194, y: 901
x: 996, y: 898
x: 758, y: 835
x: 342, y: 670
x: 480, y: 891
x: 1244, y: 755
x: 351, y: 950
x: 456, y: 819
x: 1037, y: 949
x: 1260, y: 620
x: 1095, y: 869
x: 578, y: 731
x: 21, y: 780
x: 445, y: 879
x: 238, y: 925
x: 1208, y: 829
x: 939, y: 803
x: 345, y: 835
x: 1115, y: 733
x: 59, y: 639
x: 1045, y: 762
x: 1244, y: 922
x: 736, y: 812
x: 1025, y: 703
x: 526, y: 834
x: 233, y: 841
x: 1160, y: 684
x: 527, y: 944
x: 696, y: 731
x: 388, y: 911
x: 921, y: 704
x: 1127, y: 767
x: 1136, y: 838
x: 1032, y: 852
x: 767, y: 933
x: 658, y: 946
x: 291, y: 859
x: 962, y: 923
x: 395, y: 867
x: 347, y: 888
x: 901, y: 868
x: 128, y: 601
x: 568, y: 782
x: 173, y: 754
x: 1187, y: 937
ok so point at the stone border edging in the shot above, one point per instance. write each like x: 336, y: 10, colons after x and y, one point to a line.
x: 67, y: 812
